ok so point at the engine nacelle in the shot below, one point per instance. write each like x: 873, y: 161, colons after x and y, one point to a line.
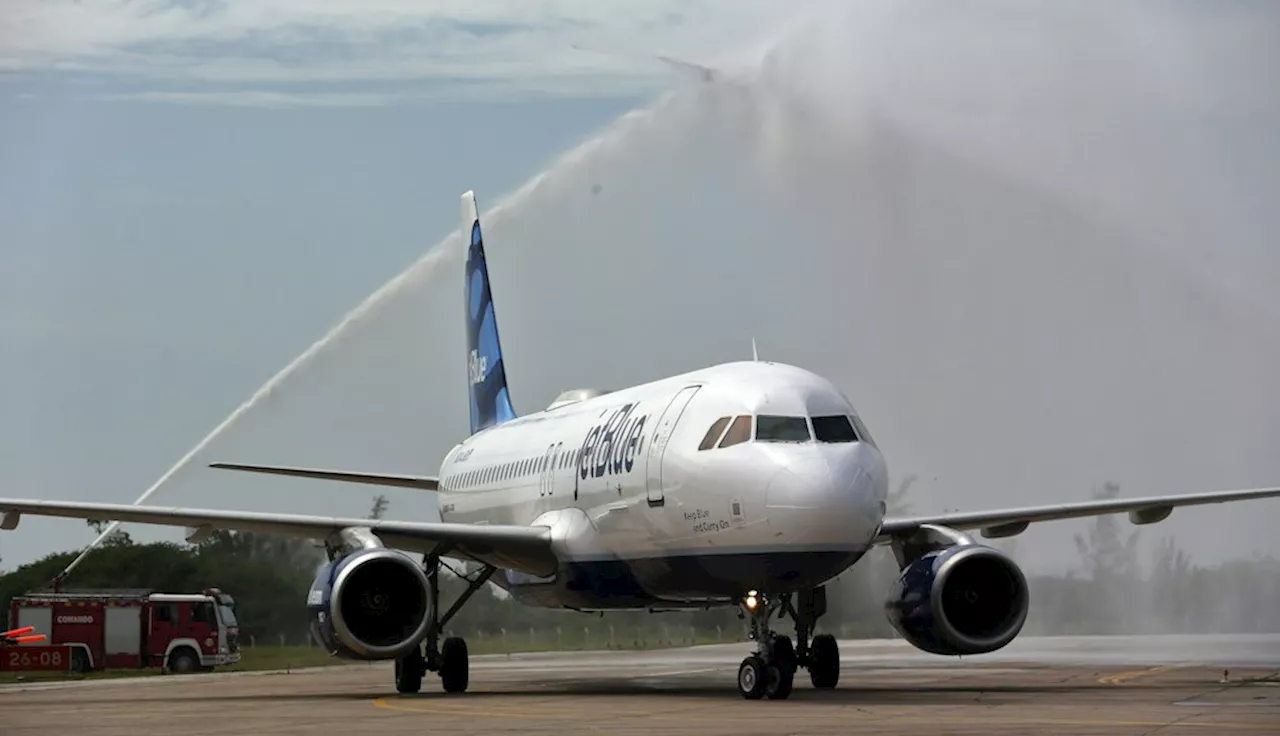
x: 370, y: 604
x: 962, y: 599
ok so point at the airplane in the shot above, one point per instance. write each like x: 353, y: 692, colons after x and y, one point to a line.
x: 748, y: 484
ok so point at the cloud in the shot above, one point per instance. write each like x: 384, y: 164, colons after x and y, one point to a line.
x: 591, y: 48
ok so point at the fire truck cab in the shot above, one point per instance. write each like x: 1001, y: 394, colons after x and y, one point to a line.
x: 118, y: 629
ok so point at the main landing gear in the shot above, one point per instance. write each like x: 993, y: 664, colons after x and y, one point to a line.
x: 449, y: 658
x: 771, y: 671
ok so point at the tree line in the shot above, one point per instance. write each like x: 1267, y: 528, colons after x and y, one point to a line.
x: 1113, y: 592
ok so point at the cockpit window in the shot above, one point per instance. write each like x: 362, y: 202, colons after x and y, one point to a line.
x: 863, y: 434
x: 781, y: 429
x: 713, y: 434
x: 836, y: 428
x: 739, y: 432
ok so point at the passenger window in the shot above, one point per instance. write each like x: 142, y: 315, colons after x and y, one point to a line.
x: 781, y: 429
x: 836, y: 428
x: 739, y: 432
x: 713, y: 434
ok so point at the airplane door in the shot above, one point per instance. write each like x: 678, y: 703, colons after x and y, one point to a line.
x: 547, y: 473
x: 658, y: 445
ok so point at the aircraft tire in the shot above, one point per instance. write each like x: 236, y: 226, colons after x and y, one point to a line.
x: 782, y: 673
x: 824, y: 662
x: 455, y: 670
x: 753, y: 678
x: 409, y: 673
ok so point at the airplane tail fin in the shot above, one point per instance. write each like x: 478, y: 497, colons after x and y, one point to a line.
x: 486, y: 375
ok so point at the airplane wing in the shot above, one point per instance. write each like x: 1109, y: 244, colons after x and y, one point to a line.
x: 1010, y: 522
x: 420, y: 482
x: 523, y: 548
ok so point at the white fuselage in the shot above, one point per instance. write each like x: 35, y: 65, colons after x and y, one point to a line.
x: 641, y: 517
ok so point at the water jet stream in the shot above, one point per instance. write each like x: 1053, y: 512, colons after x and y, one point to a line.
x: 448, y: 247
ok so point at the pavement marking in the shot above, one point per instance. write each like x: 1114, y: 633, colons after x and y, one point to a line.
x: 1120, y: 678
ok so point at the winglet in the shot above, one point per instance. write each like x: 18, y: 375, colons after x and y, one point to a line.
x: 486, y: 374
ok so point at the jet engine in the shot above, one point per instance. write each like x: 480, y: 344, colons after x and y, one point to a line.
x: 961, y: 599
x: 370, y: 604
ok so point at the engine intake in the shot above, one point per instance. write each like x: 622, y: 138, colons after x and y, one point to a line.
x: 962, y: 599
x: 370, y: 604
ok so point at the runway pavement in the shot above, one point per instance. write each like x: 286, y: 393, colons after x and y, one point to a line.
x: 1073, y: 685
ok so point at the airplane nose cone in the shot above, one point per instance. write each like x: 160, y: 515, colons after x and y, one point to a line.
x: 798, y: 486
x: 824, y: 498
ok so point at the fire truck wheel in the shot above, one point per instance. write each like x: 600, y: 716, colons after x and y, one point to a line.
x: 183, y: 661
x: 455, y: 671
x: 79, y: 661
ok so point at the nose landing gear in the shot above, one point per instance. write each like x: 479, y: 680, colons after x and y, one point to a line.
x: 770, y: 671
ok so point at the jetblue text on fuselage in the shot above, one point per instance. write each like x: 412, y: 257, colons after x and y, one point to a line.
x: 612, y: 446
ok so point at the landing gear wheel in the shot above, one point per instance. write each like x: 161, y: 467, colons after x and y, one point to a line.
x: 824, y: 662
x: 753, y: 678
x: 455, y: 672
x: 409, y: 669
x: 782, y: 673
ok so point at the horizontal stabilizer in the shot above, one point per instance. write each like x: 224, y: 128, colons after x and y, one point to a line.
x: 420, y: 482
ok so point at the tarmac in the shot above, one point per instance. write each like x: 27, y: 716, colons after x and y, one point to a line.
x: 1067, y: 685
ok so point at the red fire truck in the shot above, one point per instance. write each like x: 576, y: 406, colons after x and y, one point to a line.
x: 117, y: 629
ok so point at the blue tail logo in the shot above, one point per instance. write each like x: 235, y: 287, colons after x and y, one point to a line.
x: 487, y: 378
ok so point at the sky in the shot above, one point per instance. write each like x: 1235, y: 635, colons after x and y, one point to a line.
x: 1034, y: 243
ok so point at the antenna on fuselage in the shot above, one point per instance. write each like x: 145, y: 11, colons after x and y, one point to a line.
x: 754, y: 355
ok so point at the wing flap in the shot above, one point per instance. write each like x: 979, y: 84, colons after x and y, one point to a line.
x: 523, y: 548
x: 420, y: 482
x: 1010, y: 522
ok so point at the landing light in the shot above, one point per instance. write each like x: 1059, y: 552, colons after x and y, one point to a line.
x: 751, y: 600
